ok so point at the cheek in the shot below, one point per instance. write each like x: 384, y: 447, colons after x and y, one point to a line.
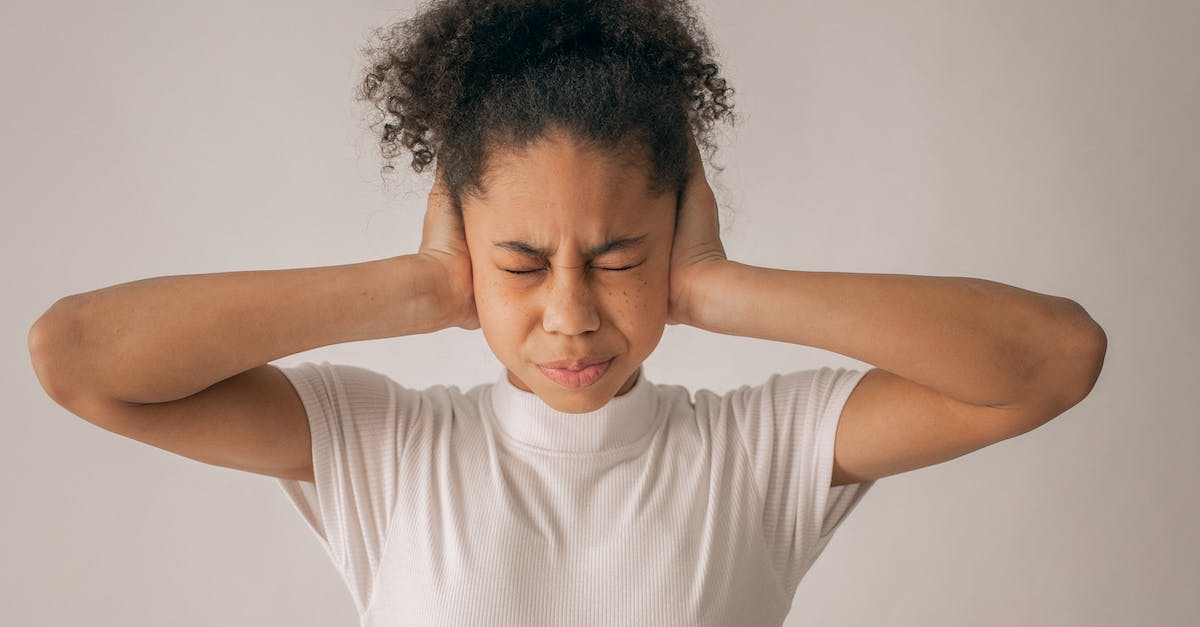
x: 641, y: 313
x: 502, y: 328
x: 502, y: 303
x: 642, y: 300
x: 490, y: 300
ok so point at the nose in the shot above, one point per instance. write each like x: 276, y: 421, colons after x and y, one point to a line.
x: 570, y: 304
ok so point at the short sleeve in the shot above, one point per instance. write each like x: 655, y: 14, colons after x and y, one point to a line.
x: 359, y: 421
x: 788, y: 426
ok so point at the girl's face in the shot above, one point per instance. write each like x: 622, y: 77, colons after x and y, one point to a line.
x: 569, y: 219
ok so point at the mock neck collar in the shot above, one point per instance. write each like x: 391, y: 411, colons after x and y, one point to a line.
x: 526, y: 418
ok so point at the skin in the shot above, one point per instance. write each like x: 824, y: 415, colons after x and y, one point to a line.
x: 568, y: 199
x: 958, y: 363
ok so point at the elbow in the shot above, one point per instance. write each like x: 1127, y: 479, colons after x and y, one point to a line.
x: 51, y: 338
x: 1097, y: 349
x: 39, y: 339
x: 1087, y: 345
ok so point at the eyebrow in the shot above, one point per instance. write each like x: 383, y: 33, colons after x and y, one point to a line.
x: 542, y: 253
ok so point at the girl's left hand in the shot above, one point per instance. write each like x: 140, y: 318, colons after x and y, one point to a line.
x: 697, y: 245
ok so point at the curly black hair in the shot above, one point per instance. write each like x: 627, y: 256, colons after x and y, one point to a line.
x: 461, y: 77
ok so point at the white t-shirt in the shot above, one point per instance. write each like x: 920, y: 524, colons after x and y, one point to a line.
x: 490, y: 507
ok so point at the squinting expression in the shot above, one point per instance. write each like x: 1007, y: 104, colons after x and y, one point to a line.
x: 570, y: 259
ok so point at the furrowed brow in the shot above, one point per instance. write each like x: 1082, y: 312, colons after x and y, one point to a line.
x: 526, y: 248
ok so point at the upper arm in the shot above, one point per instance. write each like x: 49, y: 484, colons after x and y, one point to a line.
x: 252, y: 421
x: 891, y: 424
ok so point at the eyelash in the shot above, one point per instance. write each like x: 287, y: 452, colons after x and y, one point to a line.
x: 540, y: 269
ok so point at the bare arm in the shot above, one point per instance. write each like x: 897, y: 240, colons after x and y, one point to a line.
x: 181, y: 362
x: 166, y: 338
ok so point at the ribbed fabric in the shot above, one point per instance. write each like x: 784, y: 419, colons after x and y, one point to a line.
x: 489, y: 507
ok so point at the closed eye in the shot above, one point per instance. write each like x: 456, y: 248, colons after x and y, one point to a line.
x: 597, y: 267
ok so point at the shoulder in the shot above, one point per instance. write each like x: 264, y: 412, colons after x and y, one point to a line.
x: 338, y: 388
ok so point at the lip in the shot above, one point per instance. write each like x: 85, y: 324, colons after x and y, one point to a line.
x: 576, y: 364
x: 575, y: 379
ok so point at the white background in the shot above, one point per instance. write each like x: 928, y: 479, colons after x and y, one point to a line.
x: 1049, y: 145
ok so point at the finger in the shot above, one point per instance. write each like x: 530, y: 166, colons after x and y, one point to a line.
x: 439, y: 180
x: 696, y: 183
x: 690, y: 169
x: 439, y: 193
x: 697, y: 189
x: 437, y: 169
x: 695, y: 164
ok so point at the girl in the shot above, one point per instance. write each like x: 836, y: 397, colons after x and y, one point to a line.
x: 569, y: 220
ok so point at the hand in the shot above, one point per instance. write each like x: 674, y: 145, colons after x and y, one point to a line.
x: 697, y: 245
x: 444, y: 241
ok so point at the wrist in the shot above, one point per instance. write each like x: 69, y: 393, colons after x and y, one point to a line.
x: 422, y: 302
x: 443, y: 300
x: 711, y: 295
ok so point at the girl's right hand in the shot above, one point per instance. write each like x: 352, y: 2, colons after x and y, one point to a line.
x: 444, y: 241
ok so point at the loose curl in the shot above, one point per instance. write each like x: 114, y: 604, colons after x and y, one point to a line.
x: 461, y: 77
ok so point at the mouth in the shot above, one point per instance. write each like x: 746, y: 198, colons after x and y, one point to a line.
x: 576, y: 364
x: 582, y: 375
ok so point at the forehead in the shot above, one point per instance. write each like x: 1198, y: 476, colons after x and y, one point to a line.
x: 559, y: 186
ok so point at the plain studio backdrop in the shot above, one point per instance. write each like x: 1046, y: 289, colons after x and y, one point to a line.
x: 1049, y: 145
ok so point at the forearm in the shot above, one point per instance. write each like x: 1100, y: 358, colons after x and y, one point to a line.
x: 978, y: 341
x: 164, y: 338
